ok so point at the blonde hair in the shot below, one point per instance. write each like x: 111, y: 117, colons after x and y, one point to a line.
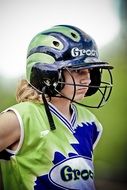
x: 25, y: 92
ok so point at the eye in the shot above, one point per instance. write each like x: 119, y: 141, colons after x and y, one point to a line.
x: 83, y: 71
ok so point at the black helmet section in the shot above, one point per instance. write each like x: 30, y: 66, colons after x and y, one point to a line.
x: 95, y: 77
x: 101, y: 86
x: 46, y: 75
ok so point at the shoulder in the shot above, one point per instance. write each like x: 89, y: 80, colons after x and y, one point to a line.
x: 23, y: 111
x: 8, y: 116
x: 25, y: 107
x: 83, y: 112
x: 85, y: 115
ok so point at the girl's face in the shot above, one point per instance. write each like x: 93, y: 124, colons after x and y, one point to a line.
x: 81, y: 76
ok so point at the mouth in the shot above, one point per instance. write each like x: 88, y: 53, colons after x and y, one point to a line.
x: 82, y: 90
x: 83, y: 87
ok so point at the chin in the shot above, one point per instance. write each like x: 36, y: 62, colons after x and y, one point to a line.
x: 79, y: 97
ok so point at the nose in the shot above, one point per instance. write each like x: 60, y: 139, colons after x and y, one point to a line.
x: 85, y: 77
x: 85, y: 81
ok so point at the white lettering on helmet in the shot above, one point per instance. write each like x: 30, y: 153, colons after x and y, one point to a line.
x: 75, y: 52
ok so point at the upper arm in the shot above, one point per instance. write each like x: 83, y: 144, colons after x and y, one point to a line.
x: 9, y: 129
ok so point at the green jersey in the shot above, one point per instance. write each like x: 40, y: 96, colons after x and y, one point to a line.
x: 51, y: 160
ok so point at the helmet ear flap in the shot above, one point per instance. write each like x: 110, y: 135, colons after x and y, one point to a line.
x: 61, y: 80
x: 95, y: 76
x: 43, y: 75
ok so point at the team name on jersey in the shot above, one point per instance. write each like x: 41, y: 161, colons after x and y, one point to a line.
x: 73, y: 173
x: 69, y: 174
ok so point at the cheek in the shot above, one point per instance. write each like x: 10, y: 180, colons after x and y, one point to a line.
x: 68, y: 89
x: 68, y: 78
x: 72, y: 79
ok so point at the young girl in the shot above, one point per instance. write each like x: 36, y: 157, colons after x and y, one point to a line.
x: 47, y: 138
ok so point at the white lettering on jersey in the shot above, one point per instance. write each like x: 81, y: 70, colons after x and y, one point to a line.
x: 73, y: 173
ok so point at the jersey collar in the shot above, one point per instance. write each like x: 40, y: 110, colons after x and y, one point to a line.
x: 70, y: 124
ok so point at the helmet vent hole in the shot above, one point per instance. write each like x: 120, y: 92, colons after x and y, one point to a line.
x: 74, y: 35
x: 55, y: 43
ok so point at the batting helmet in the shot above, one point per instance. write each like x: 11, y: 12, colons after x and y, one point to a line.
x: 65, y: 47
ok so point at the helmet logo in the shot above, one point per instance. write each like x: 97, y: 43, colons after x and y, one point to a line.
x: 75, y: 52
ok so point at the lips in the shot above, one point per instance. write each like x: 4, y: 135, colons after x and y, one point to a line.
x: 86, y: 86
x: 82, y: 90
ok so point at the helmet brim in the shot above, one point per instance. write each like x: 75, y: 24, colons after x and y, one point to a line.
x: 89, y: 62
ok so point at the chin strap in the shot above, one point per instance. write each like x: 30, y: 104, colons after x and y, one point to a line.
x: 48, y: 113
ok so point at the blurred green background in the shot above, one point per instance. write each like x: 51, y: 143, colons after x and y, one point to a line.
x: 111, y: 153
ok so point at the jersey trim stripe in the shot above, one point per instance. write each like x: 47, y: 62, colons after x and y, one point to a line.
x: 62, y: 118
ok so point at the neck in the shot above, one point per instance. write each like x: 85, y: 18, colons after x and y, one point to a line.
x: 63, y: 105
